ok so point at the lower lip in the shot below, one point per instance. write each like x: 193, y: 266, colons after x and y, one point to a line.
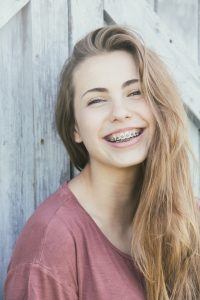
x: 132, y: 142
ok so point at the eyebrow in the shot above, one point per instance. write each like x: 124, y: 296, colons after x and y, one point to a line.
x: 101, y: 89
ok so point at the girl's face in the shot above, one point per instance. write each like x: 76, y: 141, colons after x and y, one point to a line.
x: 107, y: 99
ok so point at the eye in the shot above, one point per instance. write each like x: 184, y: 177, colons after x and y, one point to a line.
x: 97, y: 100
x: 135, y: 93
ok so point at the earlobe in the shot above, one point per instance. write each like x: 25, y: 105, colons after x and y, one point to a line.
x: 77, y: 136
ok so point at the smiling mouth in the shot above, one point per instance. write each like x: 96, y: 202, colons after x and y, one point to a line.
x: 124, y: 139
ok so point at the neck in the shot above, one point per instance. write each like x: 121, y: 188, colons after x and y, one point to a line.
x: 113, y: 194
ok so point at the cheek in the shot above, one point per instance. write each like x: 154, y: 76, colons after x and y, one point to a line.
x: 149, y: 118
x: 149, y: 115
x: 89, y: 124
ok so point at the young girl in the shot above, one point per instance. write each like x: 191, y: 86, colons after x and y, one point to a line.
x: 128, y: 225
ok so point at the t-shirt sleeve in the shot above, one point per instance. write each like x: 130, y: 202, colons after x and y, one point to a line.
x: 32, y: 281
x: 43, y: 263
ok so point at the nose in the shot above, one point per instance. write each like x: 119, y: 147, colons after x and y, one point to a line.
x: 119, y: 112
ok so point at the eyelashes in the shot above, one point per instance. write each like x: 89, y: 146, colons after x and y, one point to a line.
x: 97, y: 100
x: 135, y: 93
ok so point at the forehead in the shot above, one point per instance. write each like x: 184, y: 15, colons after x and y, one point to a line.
x: 105, y: 69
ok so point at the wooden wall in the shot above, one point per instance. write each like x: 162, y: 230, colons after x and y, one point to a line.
x: 35, y: 39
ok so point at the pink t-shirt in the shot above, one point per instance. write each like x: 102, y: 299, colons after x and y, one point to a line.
x: 61, y: 253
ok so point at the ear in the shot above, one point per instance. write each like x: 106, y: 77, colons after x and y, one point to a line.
x: 77, y: 136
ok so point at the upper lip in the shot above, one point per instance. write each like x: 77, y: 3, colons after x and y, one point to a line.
x: 122, y: 130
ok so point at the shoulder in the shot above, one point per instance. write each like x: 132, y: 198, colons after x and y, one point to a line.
x: 45, y: 251
x: 48, y: 231
x: 34, y: 281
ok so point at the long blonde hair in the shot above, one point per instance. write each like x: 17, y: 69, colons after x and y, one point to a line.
x: 166, y: 225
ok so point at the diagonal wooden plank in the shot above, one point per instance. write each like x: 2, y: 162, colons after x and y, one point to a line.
x: 157, y: 36
x: 9, y: 8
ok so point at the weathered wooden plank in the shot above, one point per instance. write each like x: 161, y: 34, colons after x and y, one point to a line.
x: 181, y: 18
x: 80, y: 23
x: 157, y: 36
x: 9, y: 8
x: 16, y: 133
x: 49, y: 51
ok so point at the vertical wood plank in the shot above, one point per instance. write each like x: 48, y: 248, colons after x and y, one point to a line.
x: 16, y: 133
x: 49, y: 51
x: 81, y: 24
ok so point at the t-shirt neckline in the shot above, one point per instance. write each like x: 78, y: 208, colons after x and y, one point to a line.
x: 74, y: 198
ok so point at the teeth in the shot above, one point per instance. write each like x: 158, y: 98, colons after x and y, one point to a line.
x: 124, y: 135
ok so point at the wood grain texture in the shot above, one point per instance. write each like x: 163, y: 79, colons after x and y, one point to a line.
x: 34, y: 46
x: 10, y: 8
x: 49, y: 52
x: 16, y: 133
